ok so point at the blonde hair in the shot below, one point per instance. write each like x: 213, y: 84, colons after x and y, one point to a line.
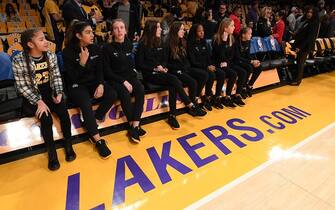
x: 225, y: 23
x: 264, y: 10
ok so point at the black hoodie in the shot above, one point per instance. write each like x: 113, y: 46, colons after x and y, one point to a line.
x: 118, y: 61
x: 199, y: 54
x: 91, y: 73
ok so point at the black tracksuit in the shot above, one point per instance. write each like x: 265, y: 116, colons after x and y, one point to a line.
x: 120, y: 67
x: 82, y: 82
x: 199, y: 57
x: 194, y: 78
x: 305, y: 41
x: 242, y: 60
x: 147, y: 59
x: 225, y: 53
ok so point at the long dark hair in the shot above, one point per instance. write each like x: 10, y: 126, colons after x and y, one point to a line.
x: 177, y: 45
x: 8, y: 7
x: 149, y: 38
x: 192, y: 34
x: 26, y: 37
x: 315, y: 16
x: 71, y: 40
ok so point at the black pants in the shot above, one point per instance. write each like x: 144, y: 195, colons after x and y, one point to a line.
x: 301, y: 59
x: 242, y: 77
x: 231, y: 75
x: 194, y: 79
x: 82, y: 95
x: 46, y: 121
x: 200, y: 77
x: 218, y: 75
x: 174, y: 86
x: 254, y: 72
x: 134, y: 111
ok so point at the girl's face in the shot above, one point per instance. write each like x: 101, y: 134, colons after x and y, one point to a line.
x: 158, y: 30
x: 86, y: 37
x: 38, y: 42
x: 247, y: 36
x: 200, y: 32
x: 119, y: 31
x: 181, y: 32
x: 230, y: 29
x: 309, y: 14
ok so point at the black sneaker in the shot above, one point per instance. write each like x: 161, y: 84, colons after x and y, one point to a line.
x: 195, y: 111
x: 244, y: 94
x: 217, y: 103
x: 70, y: 155
x: 207, y: 104
x: 133, y: 135
x: 249, y: 91
x: 172, y: 121
x: 227, y: 102
x: 238, y: 100
x: 141, y: 132
x: 53, y: 163
x: 102, y: 148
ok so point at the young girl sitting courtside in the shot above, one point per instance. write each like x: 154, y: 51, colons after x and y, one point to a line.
x: 120, y: 74
x: 83, y: 64
x: 38, y: 79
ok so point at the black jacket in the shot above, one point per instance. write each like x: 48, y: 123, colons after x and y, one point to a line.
x: 134, y: 18
x: 149, y: 58
x: 241, y: 52
x: 91, y: 74
x: 263, y: 29
x: 222, y: 53
x: 118, y: 61
x: 306, y: 36
x: 175, y: 65
x: 199, y: 54
x: 72, y: 11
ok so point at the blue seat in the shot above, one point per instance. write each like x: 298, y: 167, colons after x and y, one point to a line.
x: 6, y: 72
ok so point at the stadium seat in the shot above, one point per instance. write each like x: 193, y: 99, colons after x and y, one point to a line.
x: 15, y: 27
x: 13, y: 38
x: 3, y: 28
x: 14, y: 49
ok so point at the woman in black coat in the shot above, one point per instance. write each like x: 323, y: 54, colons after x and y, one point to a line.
x: 305, y: 40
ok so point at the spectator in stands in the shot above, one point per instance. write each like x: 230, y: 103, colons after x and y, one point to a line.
x: 264, y: 24
x: 151, y: 59
x: 222, y: 57
x: 222, y: 13
x: 121, y: 75
x: 209, y: 25
x: 305, y: 40
x: 279, y: 28
x: 130, y: 14
x: 235, y: 16
x: 200, y: 58
x: 165, y: 25
x: 11, y: 14
x: 53, y: 23
x: 179, y: 65
x: 332, y: 23
x: 253, y: 15
x: 83, y: 64
x: 291, y: 19
x: 242, y: 59
x: 73, y: 9
x: 159, y: 12
x: 325, y: 28
x: 321, y: 7
x: 42, y: 90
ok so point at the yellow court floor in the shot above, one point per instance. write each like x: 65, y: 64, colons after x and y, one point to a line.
x: 274, y: 153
